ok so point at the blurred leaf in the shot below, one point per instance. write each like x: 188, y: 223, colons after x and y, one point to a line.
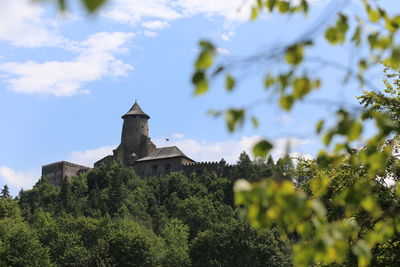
x: 319, y: 126
x: 205, y: 60
x: 234, y: 117
x: 200, y: 81
x: 301, y: 86
x: 62, y: 5
x: 213, y: 112
x: 355, y: 131
x: 286, y: 102
x: 356, y: 39
x: 93, y: 5
x: 201, y: 88
x: 262, y: 148
x: 331, y: 35
x: 304, y: 5
x: 269, y: 80
x: 363, y: 252
x: 373, y: 15
x: 294, y: 54
x: 283, y: 6
x: 255, y: 122
x: 319, y: 184
x: 362, y: 65
x: 254, y: 13
x: 229, y: 82
x: 271, y: 4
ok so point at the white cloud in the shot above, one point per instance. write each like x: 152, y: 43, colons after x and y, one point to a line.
x: 230, y: 149
x: 23, y: 24
x: 17, y: 179
x: 236, y: 10
x: 160, y: 12
x: 226, y: 36
x: 155, y: 24
x: 150, y: 33
x: 96, y: 60
x: 223, y: 51
x: 178, y: 135
x: 134, y: 11
x: 156, y: 14
x: 89, y: 157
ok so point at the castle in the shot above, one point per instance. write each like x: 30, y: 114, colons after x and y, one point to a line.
x: 136, y: 149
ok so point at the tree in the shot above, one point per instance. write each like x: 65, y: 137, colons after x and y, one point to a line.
x: 19, y: 246
x: 201, y: 214
x: 176, y: 236
x: 43, y: 195
x: 9, y: 208
x: 280, y: 203
x: 5, y: 192
x: 348, y: 196
x: 130, y: 244
x: 236, y: 244
x: 244, y: 168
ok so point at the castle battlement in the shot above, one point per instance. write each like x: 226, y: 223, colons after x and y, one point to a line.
x: 59, y: 172
x: 203, y: 163
x: 63, y: 162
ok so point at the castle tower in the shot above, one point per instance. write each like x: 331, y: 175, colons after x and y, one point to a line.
x: 135, y: 141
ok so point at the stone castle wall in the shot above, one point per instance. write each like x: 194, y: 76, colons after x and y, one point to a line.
x: 59, y: 172
x: 220, y: 168
x: 159, y: 167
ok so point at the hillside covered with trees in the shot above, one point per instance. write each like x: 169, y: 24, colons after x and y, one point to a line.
x: 110, y: 217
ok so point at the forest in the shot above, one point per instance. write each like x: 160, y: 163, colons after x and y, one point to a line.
x: 110, y: 217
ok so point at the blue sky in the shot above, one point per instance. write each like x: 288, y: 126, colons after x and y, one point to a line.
x: 65, y: 80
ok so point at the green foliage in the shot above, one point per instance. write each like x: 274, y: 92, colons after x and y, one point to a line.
x: 335, y: 204
x: 338, y: 213
x: 5, y: 192
x: 236, y: 244
x: 176, y: 236
x: 43, y: 195
x: 110, y: 217
x: 130, y: 244
x: 245, y: 168
x: 387, y: 101
x: 9, y: 208
x: 20, y: 247
x: 262, y: 148
x: 337, y: 33
x: 203, y: 62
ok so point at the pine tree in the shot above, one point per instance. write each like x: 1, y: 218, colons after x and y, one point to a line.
x: 5, y: 192
x: 244, y: 168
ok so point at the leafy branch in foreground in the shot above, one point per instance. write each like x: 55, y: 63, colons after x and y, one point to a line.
x: 323, y: 238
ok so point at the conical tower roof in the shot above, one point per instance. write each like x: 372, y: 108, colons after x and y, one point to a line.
x: 135, y: 110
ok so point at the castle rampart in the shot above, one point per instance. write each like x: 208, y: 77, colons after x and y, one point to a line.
x: 59, y: 172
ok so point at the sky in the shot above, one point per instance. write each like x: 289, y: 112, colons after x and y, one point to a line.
x: 66, y: 80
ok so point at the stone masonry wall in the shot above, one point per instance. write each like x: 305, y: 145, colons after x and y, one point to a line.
x: 59, y: 172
